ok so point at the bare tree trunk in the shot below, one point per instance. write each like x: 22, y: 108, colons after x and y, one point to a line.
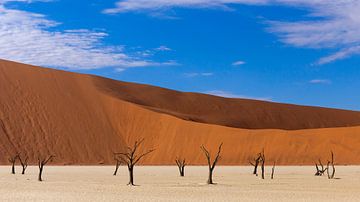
x: 131, y: 176
x: 256, y: 163
x: 272, y: 171
x: 182, y: 171
x: 117, y: 167
x: 210, y: 181
x: 211, y: 164
x: 12, y: 160
x: 332, y: 175
x: 40, y: 172
x: 181, y: 165
x: 41, y: 164
x: 255, y: 167
x: 13, y: 168
x: 320, y: 172
x: 263, y: 165
x: 131, y: 158
x: 24, y: 163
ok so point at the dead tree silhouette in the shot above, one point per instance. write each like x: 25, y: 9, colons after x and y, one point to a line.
x: 320, y: 172
x: 332, y: 175
x: 262, y: 164
x: 118, y: 163
x: 24, y: 163
x: 256, y: 163
x: 181, y: 163
x: 12, y: 160
x: 273, y: 171
x: 211, y: 164
x: 42, y: 162
x: 131, y: 158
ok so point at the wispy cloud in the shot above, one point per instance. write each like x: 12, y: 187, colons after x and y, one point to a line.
x: 153, y: 51
x: 163, y: 48
x: 238, y: 63
x: 331, y: 25
x: 227, y: 94
x: 320, y: 81
x: 158, y: 5
x: 26, y: 37
x: 196, y: 74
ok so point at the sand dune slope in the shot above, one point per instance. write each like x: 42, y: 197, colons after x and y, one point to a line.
x: 238, y: 113
x: 83, y: 119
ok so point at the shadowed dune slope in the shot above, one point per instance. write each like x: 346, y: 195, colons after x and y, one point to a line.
x: 237, y: 113
x: 83, y: 119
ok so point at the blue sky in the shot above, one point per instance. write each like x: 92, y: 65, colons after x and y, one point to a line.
x: 293, y: 51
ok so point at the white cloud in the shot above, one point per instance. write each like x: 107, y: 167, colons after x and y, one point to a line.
x: 196, y: 74
x: 156, y: 5
x: 232, y: 95
x: 238, y: 63
x: 163, y: 48
x: 26, y: 37
x: 320, y: 81
x: 330, y: 24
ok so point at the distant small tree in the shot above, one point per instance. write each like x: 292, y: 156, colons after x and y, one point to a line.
x: 131, y: 158
x: 12, y: 160
x: 320, y: 171
x: 181, y: 163
x: 211, y: 164
x: 256, y: 163
x: 263, y: 165
x: 332, y: 175
x: 118, y: 163
x: 24, y: 163
x: 42, y: 162
x: 273, y: 170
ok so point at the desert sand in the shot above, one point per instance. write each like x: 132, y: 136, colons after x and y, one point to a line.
x: 162, y: 183
x: 83, y: 119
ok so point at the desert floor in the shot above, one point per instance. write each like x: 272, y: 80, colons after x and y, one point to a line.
x: 162, y: 183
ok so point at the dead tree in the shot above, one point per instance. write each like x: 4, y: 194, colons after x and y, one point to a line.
x: 332, y: 175
x: 211, y: 164
x: 256, y: 163
x: 273, y: 170
x: 12, y: 160
x: 262, y: 164
x: 24, y: 163
x: 181, y: 163
x: 131, y: 159
x: 320, y: 172
x: 42, y: 162
x: 118, y: 163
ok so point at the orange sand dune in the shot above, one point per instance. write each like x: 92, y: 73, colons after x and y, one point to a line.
x: 82, y: 119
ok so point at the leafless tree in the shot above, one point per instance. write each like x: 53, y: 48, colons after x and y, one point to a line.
x: 42, y: 162
x: 211, y: 164
x: 118, y: 163
x: 24, y: 163
x: 262, y: 164
x: 273, y: 171
x: 181, y: 163
x: 256, y: 163
x: 131, y: 158
x: 320, y: 172
x: 12, y: 160
x: 332, y: 175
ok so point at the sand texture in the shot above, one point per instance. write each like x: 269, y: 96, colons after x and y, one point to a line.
x: 83, y: 119
x: 163, y: 184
